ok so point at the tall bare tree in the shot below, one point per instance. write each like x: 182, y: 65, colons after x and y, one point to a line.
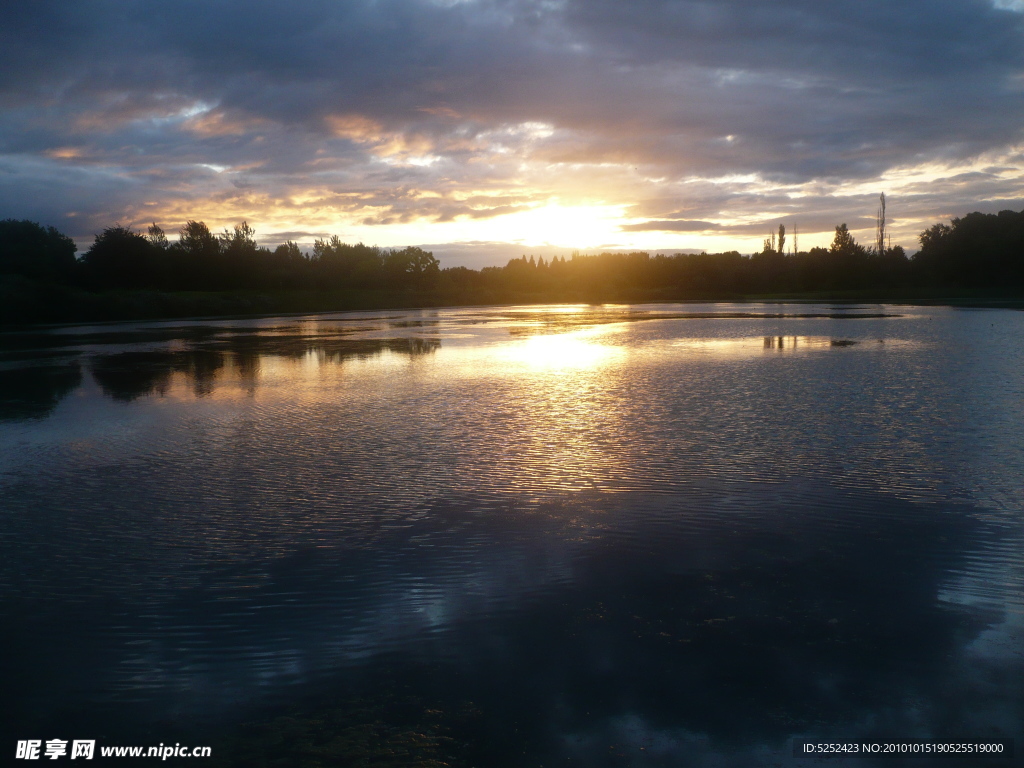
x: 880, y: 229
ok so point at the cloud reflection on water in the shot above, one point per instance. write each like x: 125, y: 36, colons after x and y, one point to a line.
x: 724, y: 621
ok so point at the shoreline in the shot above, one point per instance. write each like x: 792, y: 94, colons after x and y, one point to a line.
x: 35, y: 305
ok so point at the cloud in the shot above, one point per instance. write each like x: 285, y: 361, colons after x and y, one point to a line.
x: 671, y: 226
x: 371, y: 114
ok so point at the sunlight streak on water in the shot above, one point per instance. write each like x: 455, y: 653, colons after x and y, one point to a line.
x: 561, y: 352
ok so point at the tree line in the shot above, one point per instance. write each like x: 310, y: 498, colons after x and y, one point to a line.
x: 978, y: 251
x: 121, y: 258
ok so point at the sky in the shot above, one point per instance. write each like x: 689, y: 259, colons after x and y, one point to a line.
x: 487, y: 129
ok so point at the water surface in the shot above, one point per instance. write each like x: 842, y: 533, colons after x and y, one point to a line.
x: 619, y: 535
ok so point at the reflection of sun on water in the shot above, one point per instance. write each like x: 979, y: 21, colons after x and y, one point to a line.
x: 565, y: 429
x: 561, y: 352
x: 548, y: 309
x: 555, y: 414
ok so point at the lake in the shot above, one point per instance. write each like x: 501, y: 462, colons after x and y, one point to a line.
x: 673, y: 534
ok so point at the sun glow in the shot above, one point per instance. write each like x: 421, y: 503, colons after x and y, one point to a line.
x: 569, y: 226
x: 553, y: 224
x: 562, y: 352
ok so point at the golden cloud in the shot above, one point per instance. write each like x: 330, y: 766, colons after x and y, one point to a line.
x: 219, y: 123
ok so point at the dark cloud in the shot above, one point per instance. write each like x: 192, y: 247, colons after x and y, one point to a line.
x: 680, y: 225
x: 358, y: 109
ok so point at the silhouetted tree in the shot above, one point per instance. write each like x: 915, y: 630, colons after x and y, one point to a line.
x: 978, y: 250
x: 120, y: 258
x: 880, y: 226
x: 843, y: 243
x: 341, y: 264
x: 31, y: 250
x: 289, y: 253
x: 241, y: 240
x: 197, y: 239
x: 157, y: 237
x: 197, y: 263
x: 411, y: 266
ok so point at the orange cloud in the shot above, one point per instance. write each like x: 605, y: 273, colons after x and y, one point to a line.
x: 65, y: 153
x: 219, y: 123
x: 395, y: 146
x: 355, y: 128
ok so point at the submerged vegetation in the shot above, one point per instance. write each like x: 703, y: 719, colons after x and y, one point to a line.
x: 127, y: 274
